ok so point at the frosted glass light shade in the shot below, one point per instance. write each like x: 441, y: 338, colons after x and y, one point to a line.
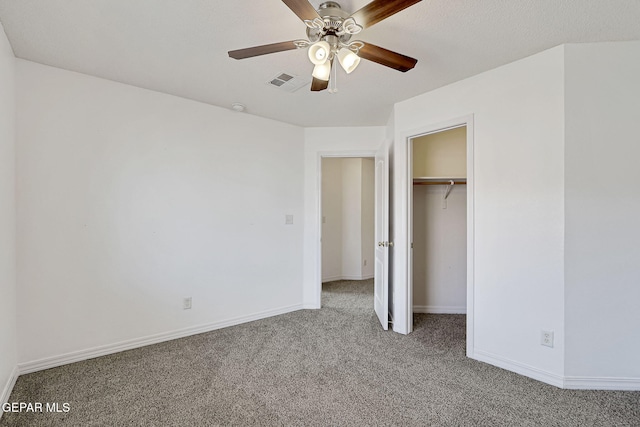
x: 319, y: 52
x: 348, y: 60
x: 322, y: 71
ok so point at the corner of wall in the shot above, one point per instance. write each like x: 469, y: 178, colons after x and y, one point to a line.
x: 8, y: 282
x: 601, y: 207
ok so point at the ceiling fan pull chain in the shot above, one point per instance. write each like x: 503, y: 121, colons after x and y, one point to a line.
x: 333, y: 82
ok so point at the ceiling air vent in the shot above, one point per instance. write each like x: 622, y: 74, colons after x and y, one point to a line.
x: 288, y: 82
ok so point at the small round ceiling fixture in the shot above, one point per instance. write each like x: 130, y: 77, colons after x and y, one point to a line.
x: 238, y: 107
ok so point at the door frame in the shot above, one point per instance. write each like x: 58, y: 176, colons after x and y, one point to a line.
x: 408, y: 138
x: 369, y: 154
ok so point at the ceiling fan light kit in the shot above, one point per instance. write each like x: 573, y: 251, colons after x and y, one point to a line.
x: 329, y: 31
x: 319, y: 52
x: 348, y: 60
x: 322, y: 71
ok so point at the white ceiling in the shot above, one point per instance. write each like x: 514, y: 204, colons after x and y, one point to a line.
x: 180, y: 47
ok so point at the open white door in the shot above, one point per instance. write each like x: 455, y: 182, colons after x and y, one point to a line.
x: 381, y: 272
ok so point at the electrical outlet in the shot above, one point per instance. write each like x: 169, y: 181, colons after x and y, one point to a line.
x: 365, y: 263
x: 546, y: 338
x: 288, y: 219
x: 186, y: 303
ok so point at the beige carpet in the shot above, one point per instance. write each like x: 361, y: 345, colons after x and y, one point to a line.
x: 333, y: 366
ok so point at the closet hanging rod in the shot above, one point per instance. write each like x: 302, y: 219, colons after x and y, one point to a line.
x: 438, y: 183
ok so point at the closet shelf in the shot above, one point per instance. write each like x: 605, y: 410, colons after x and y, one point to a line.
x: 438, y: 180
x: 450, y: 182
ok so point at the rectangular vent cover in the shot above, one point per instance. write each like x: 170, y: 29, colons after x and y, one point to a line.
x: 288, y: 82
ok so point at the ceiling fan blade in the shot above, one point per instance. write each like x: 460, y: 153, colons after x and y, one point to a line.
x: 303, y: 9
x: 317, y: 85
x: 387, y: 58
x: 262, y: 50
x: 378, y: 10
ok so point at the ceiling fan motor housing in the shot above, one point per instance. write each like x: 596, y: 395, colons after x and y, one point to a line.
x: 333, y: 16
x: 332, y: 8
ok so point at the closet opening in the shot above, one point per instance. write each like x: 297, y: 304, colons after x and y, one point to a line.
x: 347, y: 229
x: 439, y: 235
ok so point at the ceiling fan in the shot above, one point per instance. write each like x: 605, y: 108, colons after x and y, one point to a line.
x: 329, y: 32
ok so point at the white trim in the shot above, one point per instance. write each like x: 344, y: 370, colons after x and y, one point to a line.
x: 331, y: 279
x: 8, y: 387
x: 471, y: 236
x: 440, y: 309
x: 519, y: 368
x: 90, y: 353
x: 602, y: 383
x: 573, y: 383
x: 335, y: 278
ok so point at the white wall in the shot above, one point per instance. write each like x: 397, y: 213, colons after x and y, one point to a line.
x: 439, y: 250
x: 352, y: 218
x: 602, y: 261
x: 8, y: 353
x: 130, y: 200
x: 329, y: 142
x: 442, y: 154
x: 368, y: 217
x: 332, y: 219
x: 519, y: 207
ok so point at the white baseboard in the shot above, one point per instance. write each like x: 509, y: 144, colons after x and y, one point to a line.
x: 335, y: 278
x: 440, y: 309
x: 602, y: 383
x: 574, y: 383
x: 519, y: 368
x: 8, y: 387
x: 77, y: 356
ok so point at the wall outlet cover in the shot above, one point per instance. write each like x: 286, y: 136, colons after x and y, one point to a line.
x: 546, y: 338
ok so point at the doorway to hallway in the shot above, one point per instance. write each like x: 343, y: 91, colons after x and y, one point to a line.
x: 347, y: 225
